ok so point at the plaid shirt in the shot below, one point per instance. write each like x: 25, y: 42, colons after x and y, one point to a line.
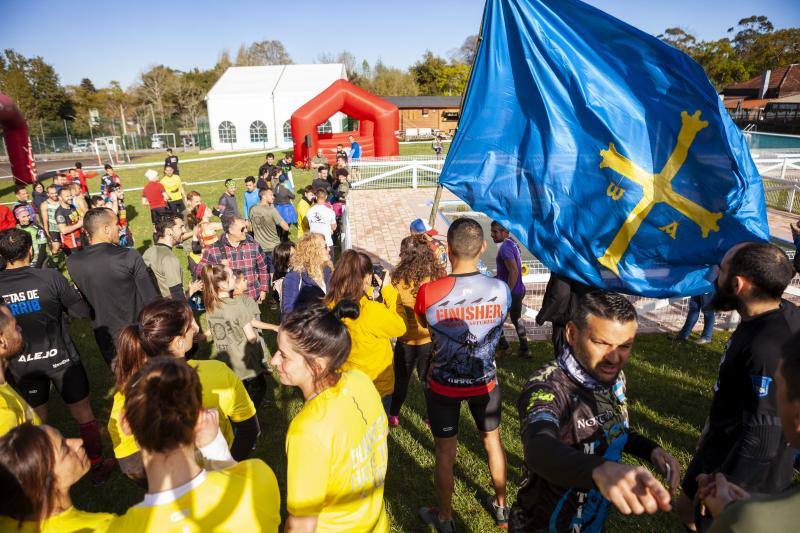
x: 248, y: 257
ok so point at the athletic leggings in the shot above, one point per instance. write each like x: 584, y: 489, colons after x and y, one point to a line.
x: 407, y: 357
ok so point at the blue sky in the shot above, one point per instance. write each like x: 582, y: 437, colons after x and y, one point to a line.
x: 116, y: 40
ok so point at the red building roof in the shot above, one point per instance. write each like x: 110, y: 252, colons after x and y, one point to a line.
x: 783, y: 81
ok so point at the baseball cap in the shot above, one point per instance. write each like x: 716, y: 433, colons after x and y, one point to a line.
x: 420, y: 226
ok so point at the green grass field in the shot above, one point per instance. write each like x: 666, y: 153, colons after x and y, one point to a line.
x: 670, y: 386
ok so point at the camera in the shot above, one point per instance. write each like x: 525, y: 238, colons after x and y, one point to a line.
x: 378, y: 273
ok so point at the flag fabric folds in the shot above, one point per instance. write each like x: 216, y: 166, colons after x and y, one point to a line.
x: 607, y: 152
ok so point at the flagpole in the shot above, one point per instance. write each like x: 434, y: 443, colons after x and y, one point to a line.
x: 438, y: 196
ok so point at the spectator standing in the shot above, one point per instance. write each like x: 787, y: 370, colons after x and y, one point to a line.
x: 377, y: 324
x: 116, y: 202
x: 336, y: 446
x: 265, y: 172
x: 14, y: 410
x: 204, y: 234
x: 38, y: 237
x: 40, y: 299
x: 233, y: 321
x: 699, y: 303
x: 736, y: 511
x: 281, y: 256
x: 265, y: 221
x: 69, y: 222
x: 175, y: 194
x: 108, y: 180
x: 355, y: 155
x: 39, y: 197
x: 284, y: 205
x: 464, y: 312
x: 309, y: 274
x: 509, y: 271
x: 287, y: 164
x: 162, y: 261
x: 439, y: 249
x: 114, y: 280
x: 322, y: 181
x: 48, y: 215
x: 742, y: 437
x: 78, y: 200
x: 80, y: 177
x: 251, y: 197
x: 413, y: 349
x: 341, y: 153
x: 437, y: 146
x: 319, y: 160
x: 572, y: 468
x: 322, y: 219
x: 307, y: 199
x: 21, y: 193
x: 168, y: 328
x: 237, y: 250
x: 227, y: 206
x: 155, y: 196
x: 171, y: 161
x: 163, y: 408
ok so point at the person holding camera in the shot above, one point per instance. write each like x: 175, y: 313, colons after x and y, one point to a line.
x: 355, y: 279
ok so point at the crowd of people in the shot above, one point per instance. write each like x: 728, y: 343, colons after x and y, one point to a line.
x: 350, y: 333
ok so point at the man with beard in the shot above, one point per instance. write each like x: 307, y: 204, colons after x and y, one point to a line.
x: 574, y: 425
x: 742, y: 437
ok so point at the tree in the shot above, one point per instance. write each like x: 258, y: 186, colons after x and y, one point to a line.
x: 721, y: 62
x: 680, y: 39
x: 390, y: 81
x: 435, y: 76
x: 267, y: 53
x: 189, y: 100
x: 466, y: 52
x: 156, y: 84
x: 87, y: 85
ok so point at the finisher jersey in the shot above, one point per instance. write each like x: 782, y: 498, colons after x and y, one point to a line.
x: 743, y: 425
x: 69, y: 216
x: 465, y: 315
x: 241, y: 498
x: 565, y: 405
x: 38, y: 298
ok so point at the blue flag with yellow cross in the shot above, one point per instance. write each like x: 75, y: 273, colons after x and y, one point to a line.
x: 607, y: 152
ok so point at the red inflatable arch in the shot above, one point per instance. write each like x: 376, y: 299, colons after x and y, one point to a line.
x: 378, y: 121
x: 18, y: 144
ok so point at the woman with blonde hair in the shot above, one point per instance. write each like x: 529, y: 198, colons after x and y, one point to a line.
x: 377, y: 324
x: 418, y: 265
x: 309, y: 274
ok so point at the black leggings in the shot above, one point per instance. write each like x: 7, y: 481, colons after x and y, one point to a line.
x: 256, y: 388
x: 407, y: 357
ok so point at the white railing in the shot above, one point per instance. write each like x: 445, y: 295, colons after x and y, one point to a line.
x: 400, y: 172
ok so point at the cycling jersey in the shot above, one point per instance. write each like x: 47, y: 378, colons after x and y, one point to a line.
x: 570, y: 424
x: 465, y: 315
x: 38, y: 298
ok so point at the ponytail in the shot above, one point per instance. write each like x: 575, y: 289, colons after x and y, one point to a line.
x: 159, y: 323
x: 212, y: 276
x: 320, y: 335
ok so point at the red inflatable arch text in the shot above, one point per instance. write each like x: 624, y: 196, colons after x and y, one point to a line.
x: 378, y: 121
x: 18, y: 143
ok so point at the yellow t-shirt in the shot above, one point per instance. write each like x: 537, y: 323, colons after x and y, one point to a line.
x: 242, y: 498
x: 302, y: 222
x: 370, y: 337
x: 337, y: 454
x: 173, y: 186
x: 222, y: 390
x: 14, y: 410
x: 416, y: 334
x: 70, y: 521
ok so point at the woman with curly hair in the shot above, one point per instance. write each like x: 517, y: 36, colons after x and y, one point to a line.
x: 418, y: 265
x: 204, y: 234
x: 309, y: 273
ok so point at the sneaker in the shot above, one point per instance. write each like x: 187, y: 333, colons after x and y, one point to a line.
x: 101, y: 471
x: 500, y: 514
x: 394, y: 421
x: 677, y: 338
x: 430, y: 515
x: 702, y: 341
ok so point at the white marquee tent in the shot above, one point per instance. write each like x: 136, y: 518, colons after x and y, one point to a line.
x: 250, y: 107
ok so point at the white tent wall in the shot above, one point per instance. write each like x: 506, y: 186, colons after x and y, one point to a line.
x: 269, y: 94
